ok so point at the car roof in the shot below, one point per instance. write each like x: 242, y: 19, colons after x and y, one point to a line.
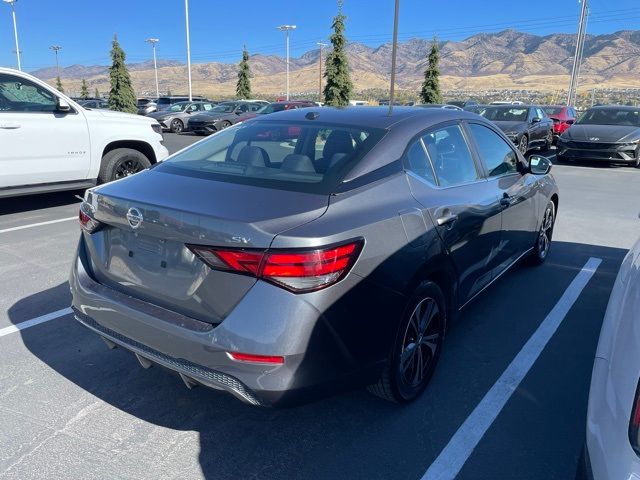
x: 617, y: 107
x: 371, y: 117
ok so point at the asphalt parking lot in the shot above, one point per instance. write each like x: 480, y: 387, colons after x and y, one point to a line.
x: 70, y: 408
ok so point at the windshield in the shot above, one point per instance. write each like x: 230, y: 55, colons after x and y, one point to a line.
x: 552, y: 110
x: 610, y: 116
x: 223, y: 108
x: 505, y: 114
x: 274, y: 107
x: 177, y: 107
x: 288, y: 156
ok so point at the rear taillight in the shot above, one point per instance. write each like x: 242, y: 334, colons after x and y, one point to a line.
x: 85, y: 217
x: 296, y: 270
x: 634, y: 422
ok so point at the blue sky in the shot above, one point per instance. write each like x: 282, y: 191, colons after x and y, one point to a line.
x: 84, y: 28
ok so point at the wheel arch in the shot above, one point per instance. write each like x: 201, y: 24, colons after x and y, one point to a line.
x: 440, y: 271
x: 140, y: 146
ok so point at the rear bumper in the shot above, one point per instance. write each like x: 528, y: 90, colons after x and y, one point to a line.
x: 272, y: 322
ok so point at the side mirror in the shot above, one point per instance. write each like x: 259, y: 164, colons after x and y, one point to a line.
x: 535, y: 119
x: 539, y: 165
x: 62, y: 105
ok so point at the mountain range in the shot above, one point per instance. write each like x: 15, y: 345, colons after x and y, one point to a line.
x: 503, y: 60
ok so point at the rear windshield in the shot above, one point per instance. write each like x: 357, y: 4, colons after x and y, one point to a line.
x: 307, y: 157
x: 505, y: 114
x: 274, y: 107
x: 610, y: 116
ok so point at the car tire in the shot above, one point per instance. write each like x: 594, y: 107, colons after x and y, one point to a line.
x: 176, y: 126
x: 120, y: 163
x: 224, y: 124
x: 523, y: 144
x: 418, y: 342
x: 548, y: 141
x: 542, y: 246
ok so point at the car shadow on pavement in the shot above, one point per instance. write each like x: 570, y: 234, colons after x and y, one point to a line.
x: 354, y: 435
x: 37, y: 202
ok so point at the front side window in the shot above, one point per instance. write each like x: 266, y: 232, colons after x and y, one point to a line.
x: 451, y: 157
x: 21, y: 95
x: 290, y: 156
x: 496, y: 154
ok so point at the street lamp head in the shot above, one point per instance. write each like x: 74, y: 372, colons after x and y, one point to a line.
x: 152, y: 41
x: 286, y: 27
x: 55, y: 48
x: 10, y: 2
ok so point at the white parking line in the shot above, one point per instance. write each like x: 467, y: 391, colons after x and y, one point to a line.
x: 22, y: 227
x: 455, y: 454
x: 34, y: 321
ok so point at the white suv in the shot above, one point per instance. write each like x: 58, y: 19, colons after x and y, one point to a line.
x: 48, y: 142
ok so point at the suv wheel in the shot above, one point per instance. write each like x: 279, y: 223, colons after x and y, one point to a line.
x: 120, y: 163
x: 417, y: 347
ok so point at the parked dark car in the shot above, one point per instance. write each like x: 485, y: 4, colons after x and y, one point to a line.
x: 222, y: 116
x: 94, y: 103
x: 281, y: 271
x: 527, y: 126
x: 562, y: 116
x: 609, y: 133
x: 176, y: 117
x: 280, y: 106
x: 437, y: 105
x: 463, y: 103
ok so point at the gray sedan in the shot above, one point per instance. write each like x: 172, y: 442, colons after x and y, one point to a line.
x: 310, y: 250
x: 224, y: 115
x: 175, y: 118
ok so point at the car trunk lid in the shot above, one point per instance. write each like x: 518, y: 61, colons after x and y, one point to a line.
x: 148, y: 219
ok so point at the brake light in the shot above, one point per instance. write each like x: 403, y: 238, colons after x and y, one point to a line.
x: 634, y: 422
x: 295, y: 270
x: 252, y: 358
x: 85, y: 217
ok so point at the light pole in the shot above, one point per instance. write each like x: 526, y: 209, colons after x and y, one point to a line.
x: 287, y: 29
x: 56, y: 49
x: 321, y: 45
x: 153, y: 42
x: 393, y: 56
x: 15, y: 29
x: 186, y: 20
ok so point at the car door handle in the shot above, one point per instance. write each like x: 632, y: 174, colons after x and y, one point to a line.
x: 9, y: 126
x: 447, y: 219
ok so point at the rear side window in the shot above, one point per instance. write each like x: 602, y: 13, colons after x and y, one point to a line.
x: 451, y: 157
x: 496, y: 154
x: 306, y: 157
x: 416, y: 161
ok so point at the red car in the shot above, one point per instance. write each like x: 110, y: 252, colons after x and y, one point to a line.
x: 563, y: 117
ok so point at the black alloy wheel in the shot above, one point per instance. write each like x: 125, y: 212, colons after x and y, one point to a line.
x: 545, y: 234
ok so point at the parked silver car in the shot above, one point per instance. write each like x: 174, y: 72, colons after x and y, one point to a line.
x: 176, y: 117
x: 310, y: 250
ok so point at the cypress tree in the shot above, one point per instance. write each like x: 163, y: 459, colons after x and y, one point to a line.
x: 338, y: 86
x: 96, y: 93
x: 59, y: 85
x: 430, y: 92
x: 243, y: 87
x: 84, y: 90
x: 121, y: 96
